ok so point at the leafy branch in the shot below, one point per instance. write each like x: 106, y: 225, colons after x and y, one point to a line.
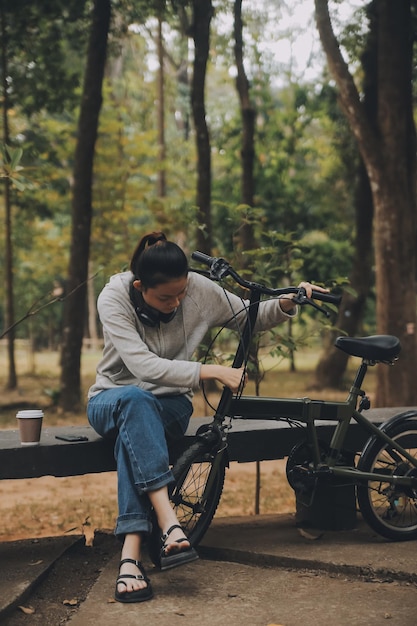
x: 10, y: 168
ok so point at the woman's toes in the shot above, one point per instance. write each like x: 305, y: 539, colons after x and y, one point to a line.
x: 176, y: 541
x: 130, y: 584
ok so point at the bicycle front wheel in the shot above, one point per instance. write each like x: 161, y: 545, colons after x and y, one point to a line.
x: 199, y: 478
x: 391, y: 510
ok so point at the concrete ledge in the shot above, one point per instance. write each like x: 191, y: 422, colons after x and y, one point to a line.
x: 275, y: 541
x: 249, y: 440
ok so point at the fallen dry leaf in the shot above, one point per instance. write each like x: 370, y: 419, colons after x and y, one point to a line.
x: 72, y: 602
x: 89, y: 536
x: 28, y: 610
x: 111, y: 601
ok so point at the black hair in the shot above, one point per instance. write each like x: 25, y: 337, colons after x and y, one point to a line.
x: 157, y: 261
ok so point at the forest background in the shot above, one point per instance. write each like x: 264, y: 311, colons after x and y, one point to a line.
x: 119, y: 118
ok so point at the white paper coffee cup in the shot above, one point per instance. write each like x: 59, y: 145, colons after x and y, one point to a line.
x: 30, y: 426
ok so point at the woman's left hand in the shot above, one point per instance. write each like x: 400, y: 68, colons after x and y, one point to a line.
x: 310, y: 288
x: 286, y: 302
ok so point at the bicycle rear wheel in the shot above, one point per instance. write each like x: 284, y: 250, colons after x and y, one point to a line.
x: 199, y: 478
x: 391, y: 510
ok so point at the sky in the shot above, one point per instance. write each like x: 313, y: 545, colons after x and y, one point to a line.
x: 301, y: 47
x: 290, y: 35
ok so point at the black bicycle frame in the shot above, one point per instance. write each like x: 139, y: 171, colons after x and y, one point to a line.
x: 241, y: 354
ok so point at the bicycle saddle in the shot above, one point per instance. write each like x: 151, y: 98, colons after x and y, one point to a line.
x: 375, y: 348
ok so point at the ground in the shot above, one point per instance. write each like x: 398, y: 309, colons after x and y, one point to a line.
x: 67, y: 585
x: 50, y: 506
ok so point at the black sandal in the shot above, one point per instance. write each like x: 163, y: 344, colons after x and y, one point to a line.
x: 177, y: 556
x: 140, y: 595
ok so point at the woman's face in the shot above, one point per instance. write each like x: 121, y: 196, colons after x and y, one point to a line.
x: 166, y: 297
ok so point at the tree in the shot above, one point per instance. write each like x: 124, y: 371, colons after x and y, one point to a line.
x: 246, y: 235
x: 388, y: 149
x: 32, y: 79
x: 75, y: 304
x: 202, y: 14
x: 12, y: 377
x: 333, y: 362
x: 161, y: 184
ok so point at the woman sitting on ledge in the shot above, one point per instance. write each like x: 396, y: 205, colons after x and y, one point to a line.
x: 154, y: 317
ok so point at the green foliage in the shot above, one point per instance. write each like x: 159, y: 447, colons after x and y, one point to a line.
x: 303, y: 218
x: 9, y: 165
x: 38, y: 78
x: 323, y: 256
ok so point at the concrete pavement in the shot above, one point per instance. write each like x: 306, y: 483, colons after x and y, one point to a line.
x: 264, y: 571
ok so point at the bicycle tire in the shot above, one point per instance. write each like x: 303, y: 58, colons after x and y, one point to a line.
x: 192, y: 471
x: 389, y: 509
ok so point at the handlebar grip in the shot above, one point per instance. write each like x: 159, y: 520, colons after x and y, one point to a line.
x: 331, y: 298
x: 201, y: 257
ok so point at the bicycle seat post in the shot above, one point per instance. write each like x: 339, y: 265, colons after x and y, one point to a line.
x: 355, y: 389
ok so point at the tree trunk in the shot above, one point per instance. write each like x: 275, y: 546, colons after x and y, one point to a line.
x: 9, y: 317
x: 75, y: 304
x: 203, y: 12
x: 332, y: 365
x: 161, y: 191
x: 389, y: 154
x: 183, y: 122
x: 246, y: 238
x: 92, y: 311
x: 333, y: 362
x: 395, y: 204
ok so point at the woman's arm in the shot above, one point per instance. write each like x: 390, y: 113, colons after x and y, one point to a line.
x: 229, y: 376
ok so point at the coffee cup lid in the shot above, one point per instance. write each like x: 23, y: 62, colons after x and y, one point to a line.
x: 29, y: 413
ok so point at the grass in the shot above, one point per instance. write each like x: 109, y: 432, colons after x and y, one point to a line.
x: 50, y: 506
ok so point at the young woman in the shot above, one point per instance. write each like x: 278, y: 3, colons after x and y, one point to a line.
x: 154, y: 317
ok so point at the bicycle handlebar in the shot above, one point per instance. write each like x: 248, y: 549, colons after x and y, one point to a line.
x: 201, y: 257
x: 220, y: 268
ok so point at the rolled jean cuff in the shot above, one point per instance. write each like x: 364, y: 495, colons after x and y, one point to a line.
x: 156, y: 483
x: 132, y: 523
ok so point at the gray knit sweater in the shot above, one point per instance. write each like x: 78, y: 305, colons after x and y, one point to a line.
x: 159, y: 359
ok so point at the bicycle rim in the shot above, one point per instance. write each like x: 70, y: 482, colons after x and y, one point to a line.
x: 199, y: 478
x: 389, y: 509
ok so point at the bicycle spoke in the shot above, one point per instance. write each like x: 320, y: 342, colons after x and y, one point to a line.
x: 199, y: 483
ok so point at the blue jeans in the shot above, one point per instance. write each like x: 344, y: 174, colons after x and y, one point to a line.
x: 143, y: 426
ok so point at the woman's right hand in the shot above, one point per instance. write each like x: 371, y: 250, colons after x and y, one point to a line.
x: 231, y: 377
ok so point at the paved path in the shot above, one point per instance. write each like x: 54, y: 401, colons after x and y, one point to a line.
x: 262, y: 571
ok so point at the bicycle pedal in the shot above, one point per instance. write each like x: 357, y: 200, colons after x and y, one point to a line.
x: 301, y: 478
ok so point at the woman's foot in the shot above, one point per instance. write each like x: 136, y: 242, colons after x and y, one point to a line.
x: 132, y: 584
x: 176, y: 548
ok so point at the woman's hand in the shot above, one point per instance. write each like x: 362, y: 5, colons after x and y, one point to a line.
x: 231, y: 377
x: 310, y: 288
x: 286, y: 303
